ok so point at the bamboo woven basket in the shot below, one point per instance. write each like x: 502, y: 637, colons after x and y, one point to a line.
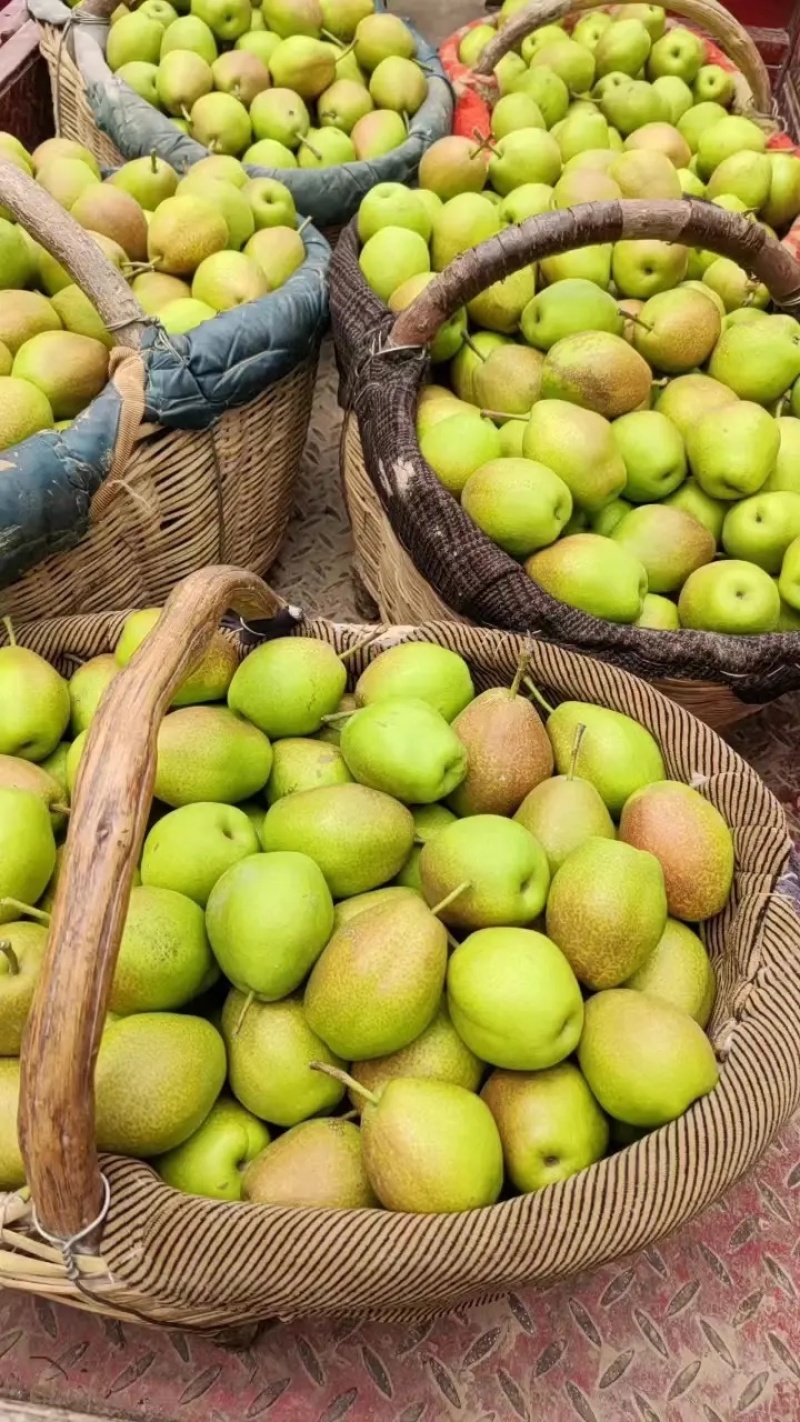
x: 438, y: 563
x: 73, y: 117
x: 140, y: 1250
x: 170, y: 499
x: 728, y: 42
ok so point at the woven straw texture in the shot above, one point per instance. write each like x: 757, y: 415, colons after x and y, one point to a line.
x: 73, y: 116
x: 178, y: 1260
x: 469, y: 574
x: 175, y: 500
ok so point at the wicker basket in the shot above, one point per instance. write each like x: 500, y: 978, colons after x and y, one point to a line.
x: 164, y: 1257
x: 438, y: 552
x: 165, y: 500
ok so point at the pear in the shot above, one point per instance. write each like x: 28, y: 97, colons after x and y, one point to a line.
x: 227, y: 280
x: 406, y: 748
x: 342, y: 17
x: 430, y: 1147
x: 515, y: 111
x: 509, y: 381
x: 437, y: 1054
x: 392, y: 893
x: 315, y: 1165
x: 731, y: 596
x: 570, y: 61
x: 271, y: 203
x: 24, y: 410
x: 269, y: 917
x: 77, y: 314
x: 491, y: 869
x: 679, y: 971
x: 677, y: 330
x: 563, y: 812
x: 221, y: 123
x: 304, y: 764
x: 378, y: 133
x: 746, y: 175
x: 549, y: 1122
x: 607, y: 910
x: 110, y: 212
x: 458, y: 445
x: 786, y: 474
x: 470, y: 358
x: 733, y: 284
x: 526, y: 201
x: 190, y: 34
x: 418, y: 669
x: 570, y: 372
x: 393, y: 205
x: 733, y: 450
x: 303, y: 64
x: 17, y: 256
x: 428, y: 821
x: 398, y: 83
x: 278, y: 251
x: 520, y: 504
x: 65, y: 179
x: 286, y: 687
x: 606, y: 519
x: 659, y: 614
x: 696, y: 120
x: 343, y: 104
x: 377, y: 37
x: 508, y: 753
x: 69, y: 369
x: 630, y: 104
x: 164, y: 958
x: 155, y: 290
x: 22, y: 948
x: 761, y: 528
x: 392, y: 256
x: 662, y: 138
x: 379, y: 981
x: 270, y: 1050
x: 669, y: 543
x: 12, y: 1169
x: 589, y: 28
x: 514, y: 999
x: 643, y: 268
x: 157, y: 1077
x: 462, y: 222
x: 566, y: 309
x: 545, y: 87
x: 644, y: 1060
x: 133, y: 37
x: 183, y: 78
x: 654, y: 455
x: 783, y: 200
x: 212, y: 1161
x: 616, y: 754
x: 591, y: 263
x: 191, y: 848
x: 229, y: 200
x: 359, y: 837
x: 581, y: 131
x: 645, y: 173
x: 500, y: 306
x: 756, y: 361
x: 210, y: 679
x: 731, y: 135
x: 686, y: 400
x: 622, y: 48
x: 293, y: 17
x: 584, y: 185
x: 207, y: 753
x: 710, y: 512
x: 180, y: 317
x: 578, y: 446
x: 690, y: 839
x: 142, y: 78
x: 450, y: 336
x: 184, y: 231
x: 325, y: 147
x: 24, y: 314
x: 34, y: 703
x: 528, y: 155
x: 586, y: 571
x: 281, y: 116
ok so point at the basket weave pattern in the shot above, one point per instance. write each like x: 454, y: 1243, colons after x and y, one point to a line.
x: 183, y: 1261
x: 74, y: 118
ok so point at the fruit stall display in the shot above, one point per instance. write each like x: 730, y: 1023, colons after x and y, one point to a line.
x: 158, y: 346
x: 601, y: 340
x: 292, y: 87
x: 502, y: 971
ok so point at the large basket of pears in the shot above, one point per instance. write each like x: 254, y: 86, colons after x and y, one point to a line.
x: 146, y: 425
x: 566, y: 1005
x: 330, y: 96
x: 557, y: 54
x: 647, y: 355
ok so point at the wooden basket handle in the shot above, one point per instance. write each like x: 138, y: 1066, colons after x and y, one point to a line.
x: 64, y: 239
x: 722, y: 27
x: 691, y: 222
x: 108, y: 823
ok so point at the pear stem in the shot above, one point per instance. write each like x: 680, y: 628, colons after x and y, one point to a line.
x: 346, y: 1080
x: 580, y: 732
x: 8, y: 953
x: 338, y: 716
x: 154, y: 161
x: 537, y: 695
x: 454, y: 943
x: 311, y: 148
x: 248, y: 1003
x: 358, y: 646
x: 60, y: 810
x: 437, y: 909
x: 26, y: 909
x: 332, y: 39
x: 9, y: 631
x: 503, y: 415
x: 522, y: 666
x: 303, y: 225
x: 637, y: 320
x: 476, y: 351
x: 187, y: 116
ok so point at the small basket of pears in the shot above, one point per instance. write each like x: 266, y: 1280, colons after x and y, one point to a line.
x: 330, y: 96
x: 155, y: 380
x: 387, y: 967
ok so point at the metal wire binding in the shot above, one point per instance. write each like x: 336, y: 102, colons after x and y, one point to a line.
x: 67, y: 1246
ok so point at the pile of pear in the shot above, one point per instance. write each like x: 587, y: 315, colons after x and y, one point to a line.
x: 623, y: 419
x: 412, y: 945
x: 284, y: 84
x: 191, y: 247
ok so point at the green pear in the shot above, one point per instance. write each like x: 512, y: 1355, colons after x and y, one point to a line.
x: 47, y: 780
x: 227, y: 18
x: 156, y: 290
x: 691, y: 186
x: 564, y: 811
x: 677, y: 330
x: 208, y: 753
x: 590, y: 263
x: 314, y: 1165
x: 660, y: 137
x: 180, y: 317
x: 588, y: 572
x: 428, y: 821
x: 278, y: 251
x: 731, y: 135
x: 379, y: 981
x: 359, y: 837
x: 347, y: 909
x: 390, y: 257
x: 514, y: 111
x: 12, y: 1168
x: 269, y: 917
x: 437, y: 1054
x: 526, y: 201
x: 659, y: 614
x: 545, y: 87
x: 220, y: 123
x: 378, y: 133
x: 492, y: 870
x: 213, y: 1160
x: 570, y: 373
x: 406, y: 748
x: 630, y: 104
x: 398, y: 83
x: 621, y: 892
x: 286, y: 687
x: 570, y: 61
x: 24, y: 314
x: 227, y: 280
x: 653, y: 453
x: 499, y: 307
x: 34, y: 703
x: 133, y: 37
x: 580, y: 131
x: 688, y: 399
x: 210, y: 679
x: 789, y: 580
x: 430, y: 1147
x: 679, y: 972
x: 191, y: 848
x: 514, y: 999
x: 668, y: 542
x: 65, y: 179
x: 644, y: 173
x: 730, y: 596
x: 148, y: 180
x: 746, y: 175
x: 270, y: 1050
x: 142, y: 78
x: 690, y: 839
x: 733, y: 284
x: 463, y: 222
x: 578, y: 446
x: 184, y: 231
x: 241, y: 74
x: 508, y: 752
x: 615, y: 754
x: 474, y: 43
x: 234, y: 206
x: 622, y: 48
x: 549, y: 1122
x: 527, y: 155
x: 303, y: 64
x: 643, y: 268
x: 585, y: 185
x: 697, y: 120
x: 164, y: 958
x: 293, y: 17
x: 520, y: 504
x: 271, y: 203
x: 392, y: 205
x: 605, y: 520
x: 304, y: 764
x: 342, y: 17
x: 693, y: 500
x: 378, y: 36
x: 183, y: 78
x: 325, y: 147
x: 418, y: 669
x: 644, y: 1060
x: 27, y: 850
x: 675, y: 94
x: 86, y: 687
x: 590, y: 27
x: 783, y: 200
x: 756, y: 361
x: 22, y: 948
x: 509, y: 381
x: 190, y: 33
x: 566, y: 309
x: 733, y: 450
x: 760, y: 529
x: 786, y: 474
x: 680, y: 52
x: 280, y: 116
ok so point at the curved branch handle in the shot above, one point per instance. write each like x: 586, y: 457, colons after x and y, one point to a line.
x: 693, y: 223
x: 722, y: 27
x: 109, y: 819
x: 103, y: 9
x: 60, y: 235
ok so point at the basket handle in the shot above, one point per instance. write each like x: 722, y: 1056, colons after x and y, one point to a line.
x: 691, y: 222
x: 64, y: 239
x: 108, y: 824
x: 723, y: 28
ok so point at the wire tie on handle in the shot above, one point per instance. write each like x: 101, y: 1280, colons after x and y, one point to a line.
x: 68, y: 1246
